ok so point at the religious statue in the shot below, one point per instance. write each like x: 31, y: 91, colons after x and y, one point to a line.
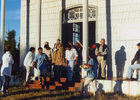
x: 58, y: 55
x: 58, y: 60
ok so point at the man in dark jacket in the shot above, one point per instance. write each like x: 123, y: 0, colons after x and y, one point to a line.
x: 101, y: 53
x: 134, y: 66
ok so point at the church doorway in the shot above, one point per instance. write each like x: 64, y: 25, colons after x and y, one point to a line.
x: 72, y: 26
x: 72, y: 32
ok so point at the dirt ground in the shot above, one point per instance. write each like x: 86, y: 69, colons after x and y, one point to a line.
x: 23, y: 93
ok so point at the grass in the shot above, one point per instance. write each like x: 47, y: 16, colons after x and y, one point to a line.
x: 23, y: 93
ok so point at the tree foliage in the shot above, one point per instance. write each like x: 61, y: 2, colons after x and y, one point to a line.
x: 10, y: 39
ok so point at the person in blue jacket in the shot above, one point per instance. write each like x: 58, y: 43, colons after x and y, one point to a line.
x: 91, y: 73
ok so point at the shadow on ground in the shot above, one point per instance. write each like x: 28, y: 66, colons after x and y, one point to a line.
x: 23, y: 93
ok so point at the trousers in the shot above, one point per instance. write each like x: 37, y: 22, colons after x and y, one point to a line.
x: 5, y: 85
x: 28, y: 73
x: 131, y: 70
x: 101, y: 62
x: 70, y: 67
x: 86, y: 83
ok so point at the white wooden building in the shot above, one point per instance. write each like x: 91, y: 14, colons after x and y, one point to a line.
x: 118, y: 21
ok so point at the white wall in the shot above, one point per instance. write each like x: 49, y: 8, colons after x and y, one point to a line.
x: 119, y: 26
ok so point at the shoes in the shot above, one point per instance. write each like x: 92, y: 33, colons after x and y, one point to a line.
x: 101, y: 77
x: 29, y: 82
x: 2, y: 92
x: 5, y: 94
x: 98, y: 77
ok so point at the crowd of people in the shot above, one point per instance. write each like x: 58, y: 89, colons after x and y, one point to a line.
x: 65, y: 62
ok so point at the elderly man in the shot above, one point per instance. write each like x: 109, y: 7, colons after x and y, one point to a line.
x: 134, y: 66
x: 28, y: 62
x: 101, y: 53
x: 7, y: 62
x: 71, y: 59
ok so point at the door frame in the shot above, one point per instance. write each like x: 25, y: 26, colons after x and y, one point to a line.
x: 96, y: 20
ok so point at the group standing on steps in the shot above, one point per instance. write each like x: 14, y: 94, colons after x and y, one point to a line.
x: 65, y: 64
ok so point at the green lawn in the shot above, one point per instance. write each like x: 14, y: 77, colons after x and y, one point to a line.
x: 23, y: 93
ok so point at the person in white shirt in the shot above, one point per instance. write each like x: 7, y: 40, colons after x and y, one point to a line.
x: 7, y: 61
x: 71, y: 59
x: 28, y: 62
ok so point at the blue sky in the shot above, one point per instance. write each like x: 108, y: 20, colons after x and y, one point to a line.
x: 12, y: 16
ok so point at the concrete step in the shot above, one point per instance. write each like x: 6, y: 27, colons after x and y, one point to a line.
x: 63, y: 80
x: 51, y: 87
x: 35, y: 82
x: 51, y: 84
x: 72, y: 89
x: 57, y: 84
x: 115, y: 85
x: 36, y: 86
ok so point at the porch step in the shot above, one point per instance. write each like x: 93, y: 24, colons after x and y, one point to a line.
x: 36, y: 82
x: 36, y: 86
x: 51, y: 84
x: 72, y: 89
x: 63, y: 80
x: 51, y: 87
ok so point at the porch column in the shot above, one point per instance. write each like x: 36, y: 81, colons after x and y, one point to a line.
x: 85, y: 31
x: 2, y: 26
x: 38, y: 35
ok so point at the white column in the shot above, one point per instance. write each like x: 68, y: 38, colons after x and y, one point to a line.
x: 85, y: 31
x: 38, y: 35
x: 2, y: 25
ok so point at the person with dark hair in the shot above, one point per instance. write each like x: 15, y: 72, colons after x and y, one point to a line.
x: 32, y: 49
x: 48, y: 52
x: 71, y: 59
x: 7, y: 61
x: 28, y: 62
x: 91, y: 73
x: 133, y: 66
x: 41, y: 59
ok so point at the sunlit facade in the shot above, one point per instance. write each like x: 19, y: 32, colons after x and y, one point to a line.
x: 118, y: 21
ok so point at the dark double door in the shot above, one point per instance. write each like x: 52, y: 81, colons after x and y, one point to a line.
x: 72, y: 32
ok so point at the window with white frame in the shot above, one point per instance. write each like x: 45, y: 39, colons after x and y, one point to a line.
x: 76, y: 33
x: 76, y: 14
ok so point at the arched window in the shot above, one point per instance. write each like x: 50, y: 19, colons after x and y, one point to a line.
x: 76, y: 14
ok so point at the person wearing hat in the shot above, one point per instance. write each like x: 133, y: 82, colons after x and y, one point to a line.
x: 48, y: 52
x: 133, y: 66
